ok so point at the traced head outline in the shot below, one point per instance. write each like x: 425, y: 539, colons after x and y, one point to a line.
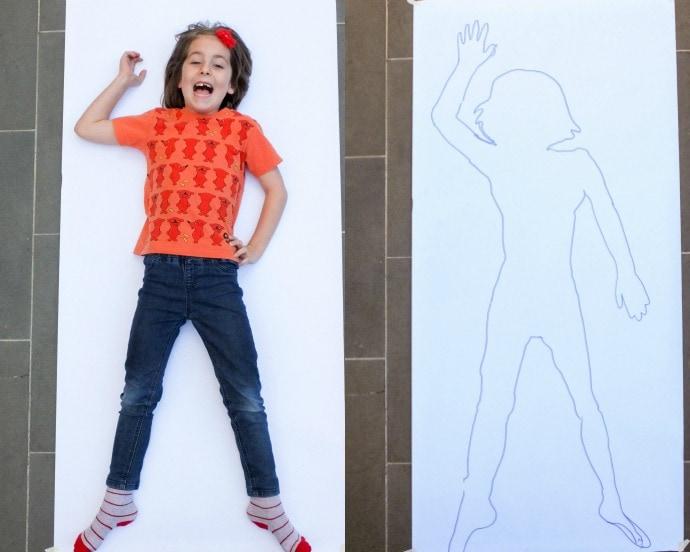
x: 533, y: 100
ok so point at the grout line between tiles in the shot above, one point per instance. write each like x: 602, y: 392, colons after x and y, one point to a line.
x: 400, y: 59
x: 365, y: 156
x: 14, y: 340
x: 365, y: 358
x: 33, y: 253
x: 47, y: 234
x: 53, y: 31
x: 385, y: 272
x: 42, y: 452
x: 7, y: 131
x: 397, y: 258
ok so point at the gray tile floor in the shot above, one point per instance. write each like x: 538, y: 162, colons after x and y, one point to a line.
x: 376, y: 86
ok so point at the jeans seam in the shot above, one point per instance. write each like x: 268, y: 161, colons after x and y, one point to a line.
x: 243, y: 455
x: 139, y: 420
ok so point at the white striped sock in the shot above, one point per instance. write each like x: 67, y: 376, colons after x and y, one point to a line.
x: 117, y: 510
x: 268, y: 513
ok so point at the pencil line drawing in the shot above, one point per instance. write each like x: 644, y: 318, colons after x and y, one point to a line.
x: 519, y: 142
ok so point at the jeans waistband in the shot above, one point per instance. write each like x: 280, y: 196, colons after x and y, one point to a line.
x: 186, y: 259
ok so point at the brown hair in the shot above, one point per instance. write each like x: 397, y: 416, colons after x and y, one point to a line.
x: 240, y: 61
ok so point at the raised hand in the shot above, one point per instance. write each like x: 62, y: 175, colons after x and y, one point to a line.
x: 128, y: 62
x: 472, y: 48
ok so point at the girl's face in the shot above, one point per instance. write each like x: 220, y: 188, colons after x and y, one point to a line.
x: 206, y: 73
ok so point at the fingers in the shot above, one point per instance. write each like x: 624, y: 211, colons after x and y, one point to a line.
x: 128, y: 61
x: 477, y: 33
x: 483, y: 31
x: 235, y: 242
x: 132, y: 56
x: 241, y: 251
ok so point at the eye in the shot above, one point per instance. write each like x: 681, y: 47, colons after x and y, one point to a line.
x: 194, y: 62
x: 219, y: 66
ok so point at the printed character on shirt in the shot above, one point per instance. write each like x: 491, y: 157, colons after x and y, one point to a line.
x: 207, y: 182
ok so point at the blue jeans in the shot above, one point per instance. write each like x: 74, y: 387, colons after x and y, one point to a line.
x: 205, y: 291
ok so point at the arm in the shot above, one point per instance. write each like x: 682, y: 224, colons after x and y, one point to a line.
x: 472, y: 54
x: 94, y: 125
x: 274, y: 203
x: 630, y: 290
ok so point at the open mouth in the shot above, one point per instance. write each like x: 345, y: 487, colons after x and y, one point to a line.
x: 202, y: 89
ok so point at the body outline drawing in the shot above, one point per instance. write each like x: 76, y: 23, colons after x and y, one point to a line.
x: 560, y: 179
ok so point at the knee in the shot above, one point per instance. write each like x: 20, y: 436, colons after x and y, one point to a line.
x: 246, y: 405
x: 497, y: 396
x: 137, y: 401
x: 250, y: 405
x: 587, y: 409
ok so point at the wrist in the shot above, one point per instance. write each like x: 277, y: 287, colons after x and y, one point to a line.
x: 122, y: 80
x: 254, y: 251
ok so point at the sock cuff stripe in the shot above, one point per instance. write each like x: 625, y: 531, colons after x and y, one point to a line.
x: 286, y: 538
x: 118, y: 505
x: 268, y: 518
x: 103, y: 524
x: 265, y: 507
x: 116, y: 493
x: 283, y: 525
x: 118, y: 515
x: 95, y: 532
x: 83, y: 536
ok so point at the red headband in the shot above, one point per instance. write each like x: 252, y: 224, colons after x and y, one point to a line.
x: 225, y: 36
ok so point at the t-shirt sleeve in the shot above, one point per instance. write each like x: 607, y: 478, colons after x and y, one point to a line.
x: 133, y: 130
x: 261, y: 156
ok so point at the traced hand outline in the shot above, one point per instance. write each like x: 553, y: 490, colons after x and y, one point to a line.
x: 631, y: 293
x: 472, y: 48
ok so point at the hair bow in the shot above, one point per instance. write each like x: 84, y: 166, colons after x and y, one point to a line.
x: 225, y: 36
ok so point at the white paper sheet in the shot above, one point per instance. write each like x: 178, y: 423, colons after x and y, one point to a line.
x: 521, y: 245
x: 293, y: 295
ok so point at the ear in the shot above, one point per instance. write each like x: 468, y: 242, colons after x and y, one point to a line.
x: 231, y: 90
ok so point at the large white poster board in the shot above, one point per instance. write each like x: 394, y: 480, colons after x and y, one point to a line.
x: 293, y: 295
x: 547, y: 361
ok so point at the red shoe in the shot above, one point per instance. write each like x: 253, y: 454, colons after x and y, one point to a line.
x: 79, y: 545
x: 303, y: 546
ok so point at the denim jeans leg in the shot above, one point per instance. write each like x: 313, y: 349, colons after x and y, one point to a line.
x: 219, y: 315
x: 157, y: 320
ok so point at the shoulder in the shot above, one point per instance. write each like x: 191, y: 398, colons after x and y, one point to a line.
x: 157, y: 114
x: 150, y: 114
x: 239, y: 116
x: 581, y: 166
x: 576, y: 157
x: 162, y: 112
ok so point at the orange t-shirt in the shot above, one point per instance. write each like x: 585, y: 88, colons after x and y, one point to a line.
x: 194, y: 177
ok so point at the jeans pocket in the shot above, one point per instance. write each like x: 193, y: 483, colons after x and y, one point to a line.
x: 226, y: 265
